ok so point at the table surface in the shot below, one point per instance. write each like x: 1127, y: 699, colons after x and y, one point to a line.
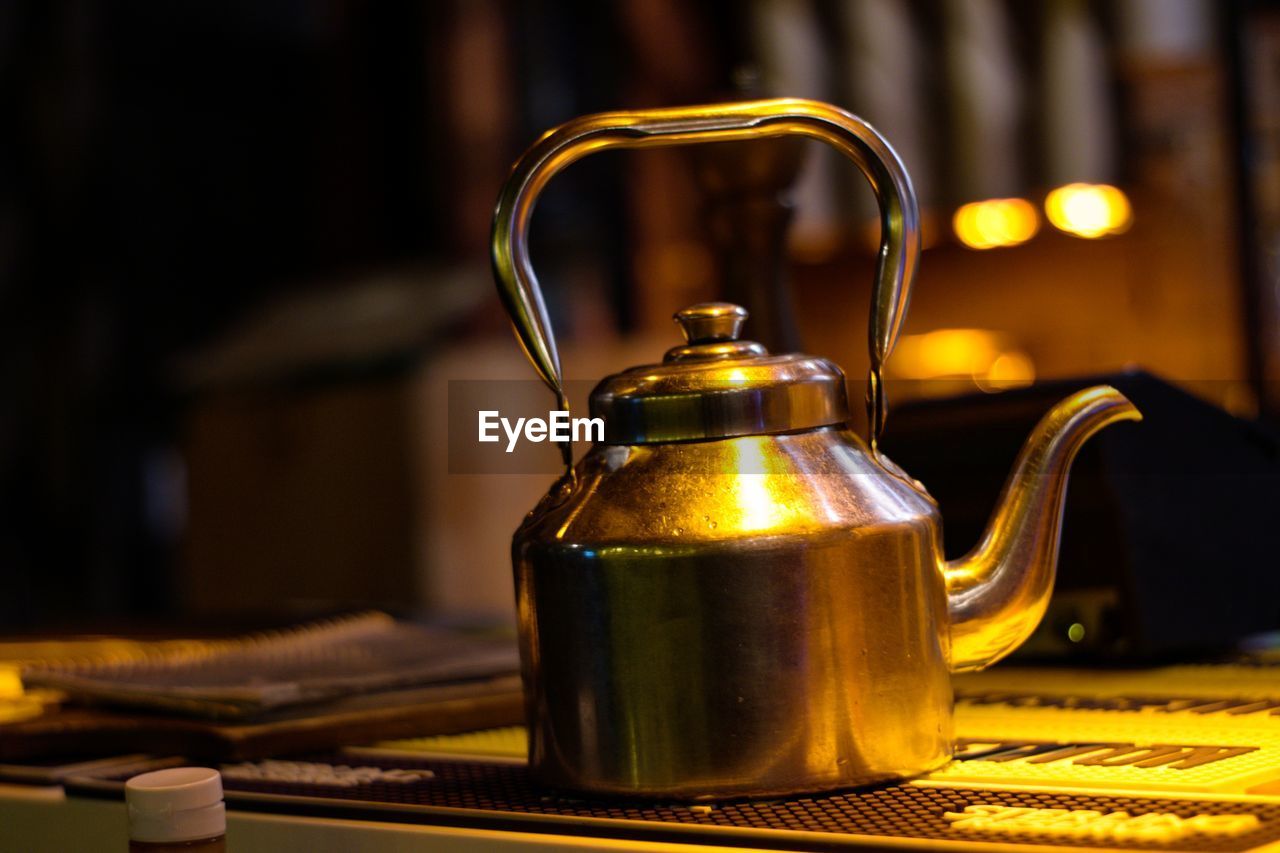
x: 1177, y: 758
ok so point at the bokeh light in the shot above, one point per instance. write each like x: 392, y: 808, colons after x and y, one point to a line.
x: 1089, y: 210
x: 996, y: 222
x: 985, y: 357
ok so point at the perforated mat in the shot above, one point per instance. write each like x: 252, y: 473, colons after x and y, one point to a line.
x: 1186, y: 758
x: 477, y: 793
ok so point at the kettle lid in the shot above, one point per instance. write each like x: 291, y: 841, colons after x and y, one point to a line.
x: 717, y: 386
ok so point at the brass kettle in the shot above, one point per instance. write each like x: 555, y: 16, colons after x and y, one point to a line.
x: 733, y: 594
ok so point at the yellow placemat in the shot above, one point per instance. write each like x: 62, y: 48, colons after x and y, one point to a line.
x: 1193, y: 729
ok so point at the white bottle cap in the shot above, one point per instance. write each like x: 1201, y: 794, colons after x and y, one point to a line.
x: 178, y: 804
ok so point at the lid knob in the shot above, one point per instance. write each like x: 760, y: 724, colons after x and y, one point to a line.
x: 708, y: 322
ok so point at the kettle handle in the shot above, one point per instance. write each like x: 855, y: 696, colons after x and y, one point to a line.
x: 899, y: 216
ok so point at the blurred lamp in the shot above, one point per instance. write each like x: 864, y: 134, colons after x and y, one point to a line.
x: 1079, y: 126
x: 995, y: 222
x: 1089, y: 210
x: 984, y: 357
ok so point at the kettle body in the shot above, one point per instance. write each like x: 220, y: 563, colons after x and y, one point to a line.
x: 755, y: 615
x: 732, y: 594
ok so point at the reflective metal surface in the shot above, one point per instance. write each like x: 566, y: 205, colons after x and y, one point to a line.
x: 750, y: 616
x: 561, y: 146
x: 733, y: 594
x: 716, y: 386
x: 999, y: 591
x: 769, y: 614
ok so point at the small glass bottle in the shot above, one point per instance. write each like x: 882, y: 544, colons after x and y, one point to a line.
x: 178, y: 810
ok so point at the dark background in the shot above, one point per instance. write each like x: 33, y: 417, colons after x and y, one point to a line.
x: 169, y: 169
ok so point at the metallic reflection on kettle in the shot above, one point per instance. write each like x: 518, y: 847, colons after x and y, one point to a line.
x: 733, y: 594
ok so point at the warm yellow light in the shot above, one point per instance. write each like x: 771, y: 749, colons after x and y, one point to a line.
x: 946, y: 353
x: 995, y: 222
x: 15, y: 704
x: 1011, y: 369
x: 983, y: 356
x: 1089, y: 210
x: 10, y: 682
x: 764, y: 495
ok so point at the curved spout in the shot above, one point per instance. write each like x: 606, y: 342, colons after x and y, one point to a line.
x: 997, y: 593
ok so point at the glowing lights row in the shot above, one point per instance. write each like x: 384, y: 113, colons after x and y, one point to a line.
x: 1084, y: 210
